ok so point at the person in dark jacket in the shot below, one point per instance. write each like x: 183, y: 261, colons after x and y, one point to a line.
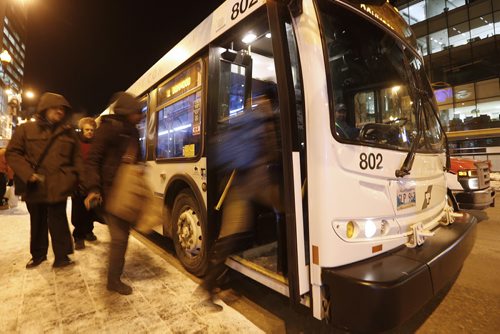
x: 6, y: 178
x: 81, y: 218
x: 255, y: 182
x: 114, y: 135
x: 48, y: 187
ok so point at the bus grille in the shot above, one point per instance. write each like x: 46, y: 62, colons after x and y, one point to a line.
x: 483, y: 174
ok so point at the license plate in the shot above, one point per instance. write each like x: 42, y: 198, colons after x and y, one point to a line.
x: 406, y: 198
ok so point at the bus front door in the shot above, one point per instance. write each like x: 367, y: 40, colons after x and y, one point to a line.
x: 240, y: 75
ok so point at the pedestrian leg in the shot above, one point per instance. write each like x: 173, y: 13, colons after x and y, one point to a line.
x: 119, y: 231
x: 78, y: 215
x: 39, y: 235
x: 60, y: 234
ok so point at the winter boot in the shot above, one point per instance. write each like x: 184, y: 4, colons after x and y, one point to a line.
x: 119, y: 286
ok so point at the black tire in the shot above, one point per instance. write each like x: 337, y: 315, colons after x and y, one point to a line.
x: 452, y: 201
x: 189, y: 233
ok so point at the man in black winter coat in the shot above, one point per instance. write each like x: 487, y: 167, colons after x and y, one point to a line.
x: 114, y: 135
x: 56, y: 178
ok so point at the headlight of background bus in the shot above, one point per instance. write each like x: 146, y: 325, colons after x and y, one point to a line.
x: 353, y: 230
x: 468, y: 179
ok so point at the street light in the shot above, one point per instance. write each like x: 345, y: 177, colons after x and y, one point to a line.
x: 29, y: 94
x: 5, y: 57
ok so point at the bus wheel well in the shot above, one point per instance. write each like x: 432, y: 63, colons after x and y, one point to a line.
x: 175, y: 188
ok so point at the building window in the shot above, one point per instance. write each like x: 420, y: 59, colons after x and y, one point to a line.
x: 414, y: 13
x: 435, y: 7
x: 452, y: 4
x: 438, y: 41
x: 497, y: 23
x: 482, y: 27
x: 459, y: 34
x: 470, y: 106
x: 422, y: 45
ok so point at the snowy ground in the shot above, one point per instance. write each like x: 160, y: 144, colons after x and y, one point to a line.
x: 75, y: 299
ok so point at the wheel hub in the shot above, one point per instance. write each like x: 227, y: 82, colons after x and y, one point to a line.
x: 189, y: 232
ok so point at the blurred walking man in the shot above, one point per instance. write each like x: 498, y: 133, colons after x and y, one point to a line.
x: 116, y: 134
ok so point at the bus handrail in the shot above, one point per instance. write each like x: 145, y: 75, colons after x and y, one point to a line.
x: 226, y: 189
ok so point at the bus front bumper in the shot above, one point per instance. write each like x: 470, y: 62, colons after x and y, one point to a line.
x: 478, y: 200
x: 385, y: 291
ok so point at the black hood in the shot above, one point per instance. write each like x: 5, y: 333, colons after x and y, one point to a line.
x: 51, y: 100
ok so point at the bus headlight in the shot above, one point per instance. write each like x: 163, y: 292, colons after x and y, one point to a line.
x: 468, y: 179
x: 350, y: 229
x: 370, y: 228
x: 357, y: 230
x: 384, y: 227
x: 473, y: 184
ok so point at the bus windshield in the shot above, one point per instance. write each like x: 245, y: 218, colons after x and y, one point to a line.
x: 379, y: 92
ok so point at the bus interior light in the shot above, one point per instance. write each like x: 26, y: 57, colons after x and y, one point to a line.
x: 249, y: 38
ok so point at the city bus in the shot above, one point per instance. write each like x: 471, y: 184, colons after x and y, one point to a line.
x: 367, y: 234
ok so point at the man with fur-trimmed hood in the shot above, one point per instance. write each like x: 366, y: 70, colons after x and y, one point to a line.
x: 49, y: 184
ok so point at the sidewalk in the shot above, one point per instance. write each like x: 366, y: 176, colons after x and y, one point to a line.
x: 75, y: 299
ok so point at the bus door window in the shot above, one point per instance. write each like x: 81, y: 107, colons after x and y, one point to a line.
x: 142, y: 128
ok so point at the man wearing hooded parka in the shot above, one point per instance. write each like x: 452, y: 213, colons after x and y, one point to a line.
x: 56, y: 178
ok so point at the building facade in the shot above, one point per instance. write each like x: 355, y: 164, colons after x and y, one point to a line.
x: 460, y: 42
x: 13, y: 18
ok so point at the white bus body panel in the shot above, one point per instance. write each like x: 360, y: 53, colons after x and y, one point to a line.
x: 213, y: 26
x: 452, y: 182
x: 160, y: 174
x: 338, y: 189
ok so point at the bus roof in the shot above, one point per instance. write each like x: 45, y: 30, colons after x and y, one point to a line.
x: 213, y: 26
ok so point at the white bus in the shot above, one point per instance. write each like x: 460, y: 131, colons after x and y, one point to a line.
x: 369, y: 236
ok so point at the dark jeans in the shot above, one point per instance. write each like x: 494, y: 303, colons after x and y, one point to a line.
x: 49, y: 218
x: 3, y: 184
x: 81, y: 218
x: 119, y: 231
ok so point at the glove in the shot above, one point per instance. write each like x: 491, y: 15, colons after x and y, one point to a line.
x: 93, y: 200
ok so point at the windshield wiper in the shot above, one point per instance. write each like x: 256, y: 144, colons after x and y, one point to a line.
x: 417, y: 97
x: 410, y: 157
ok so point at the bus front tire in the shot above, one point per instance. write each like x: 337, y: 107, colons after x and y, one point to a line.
x: 189, y: 233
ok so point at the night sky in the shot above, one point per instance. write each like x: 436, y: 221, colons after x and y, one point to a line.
x: 89, y: 49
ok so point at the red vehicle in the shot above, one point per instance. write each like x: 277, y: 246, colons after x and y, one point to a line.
x: 469, y: 184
